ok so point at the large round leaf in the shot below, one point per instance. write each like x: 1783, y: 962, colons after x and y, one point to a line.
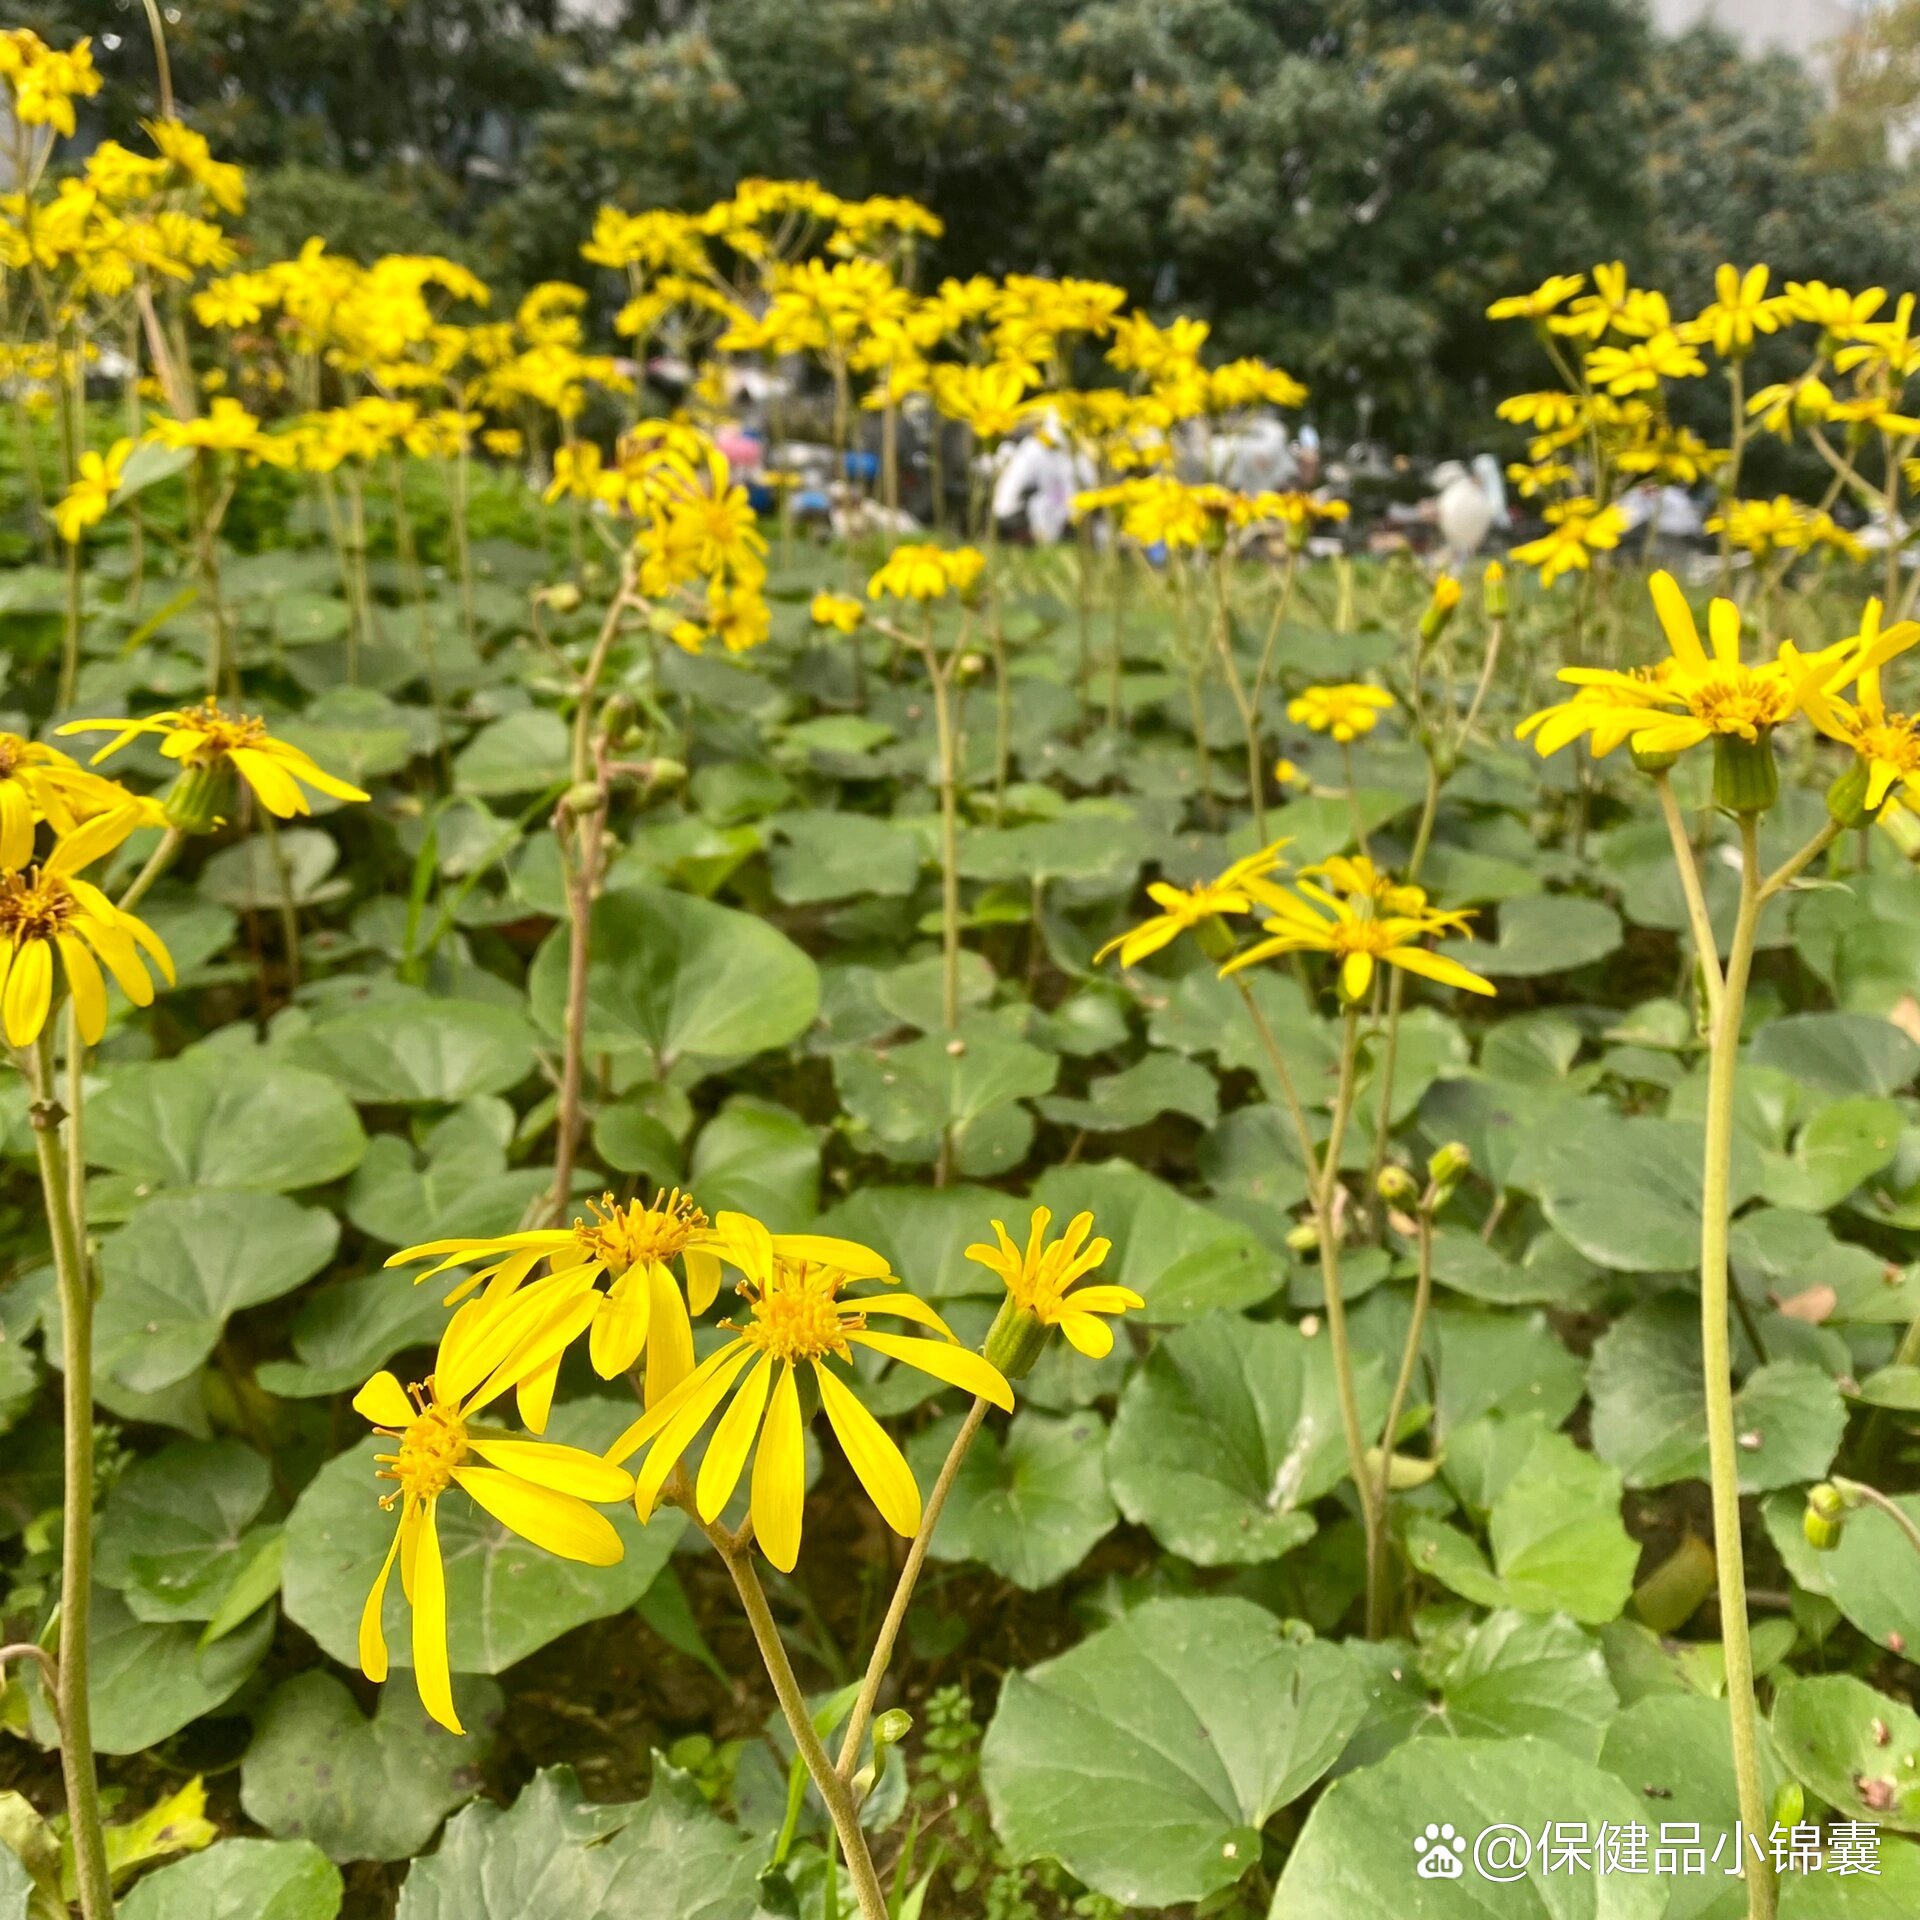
x: 175, y: 1529
x: 241, y: 1880
x: 1857, y: 1749
x: 1542, y: 933
x: 505, y: 1598
x: 1869, y: 1576
x: 678, y: 976
x: 224, y: 1117
x: 1229, y: 1433
x: 184, y: 1263
x: 412, y: 1050
x: 1148, y: 1758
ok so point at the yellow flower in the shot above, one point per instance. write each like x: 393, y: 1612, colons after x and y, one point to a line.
x: 1041, y: 1279
x: 1346, y: 711
x: 206, y: 739
x: 1833, y: 309
x: 1548, y: 297
x: 39, y: 782
x: 222, y: 182
x: 1352, y: 932
x: 1577, y: 531
x: 49, y: 913
x: 1593, y: 313
x: 504, y: 443
x: 837, y: 610
x: 1643, y: 365
x: 1356, y: 877
x: 792, y: 1285
x: 537, y: 1488
x: 632, y: 1248
x: 85, y: 503
x: 1238, y: 890
x: 1696, y: 696
x: 989, y: 399
x: 227, y: 427
x: 1888, y: 744
x: 926, y: 572
x: 1740, y: 309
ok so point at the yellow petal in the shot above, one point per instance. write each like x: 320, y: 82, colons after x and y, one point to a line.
x: 546, y: 1463
x: 373, y: 1639
x: 383, y: 1402
x: 534, y: 1396
x: 1723, y: 629
x: 732, y: 1441
x: 1356, y: 975
x: 703, y: 1278
x: 780, y: 1475
x: 1435, y: 966
x: 958, y: 1366
x: 29, y: 993
x: 670, y: 1341
x: 432, y: 1670
x: 1676, y: 619
x: 1088, y: 1333
x: 901, y: 1306
x: 84, y: 983
x: 703, y: 1391
x: 557, y: 1522
x: 657, y: 1418
x: 885, y: 1475
x: 271, y: 781
x: 16, y: 825
x: 620, y: 1325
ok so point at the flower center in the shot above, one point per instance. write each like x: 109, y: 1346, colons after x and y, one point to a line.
x: 430, y: 1449
x: 34, y: 906
x: 1894, y: 742
x: 1737, y: 700
x: 220, y: 732
x: 10, y: 753
x: 622, y: 1237
x: 795, y: 1319
x: 1366, y: 936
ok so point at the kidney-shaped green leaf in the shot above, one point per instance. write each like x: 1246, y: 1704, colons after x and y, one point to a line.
x: 241, y: 1880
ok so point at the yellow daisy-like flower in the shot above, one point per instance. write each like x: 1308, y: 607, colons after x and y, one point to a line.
x: 632, y: 1248
x: 797, y: 1317
x: 1577, y: 530
x: 49, y: 913
x: 537, y: 1488
x: 1357, y: 878
x: 205, y: 738
x: 921, y: 571
x: 1739, y: 310
x: 1353, y: 933
x: 1887, y: 743
x: 85, y: 503
x: 1346, y: 711
x: 840, y: 611
x: 1042, y: 1279
x: 38, y: 782
x: 1548, y: 297
x: 1238, y: 890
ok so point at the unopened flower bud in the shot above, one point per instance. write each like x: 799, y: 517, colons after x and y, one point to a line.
x: 664, y: 775
x: 1449, y: 1165
x: 1825, y: 1517
x: 1650, y: 761
x: 201, y: 797
x: 563, y: 598
x: 1493, y: 590
x: 1215, y: 938
x: 1446, y: 596
x: 1016, y: 1340
x: 1304, y: 1238
x: 616, y: 719
x: 582, y: 798
x: 1396, y: 1186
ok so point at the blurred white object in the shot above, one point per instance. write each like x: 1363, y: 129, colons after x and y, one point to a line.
x: 1465, y: 513
x: 1039, y: 477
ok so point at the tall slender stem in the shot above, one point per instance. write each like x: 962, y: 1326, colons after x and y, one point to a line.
x: 158, y: 861
x: 75, y: 1707
x: 938, y: 672
x: 1717, y: 1367
x: 1698, y: 919
x: 903, y: 1590
x: 1390, y: 1430
x: 833, y: 1790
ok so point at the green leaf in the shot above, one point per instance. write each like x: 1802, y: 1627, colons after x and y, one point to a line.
x: 1147, y: 1759
x: 261, y: 872
x: 505, y: 1598
x: 1556, y: 1539
x: 1857, y: 1749
x: 362, y: 1789
x: 1541, y: 933
x: 346, y: 1332
x: 1182, y: 1258
x: 1031, y: 1507
x: 924, y: 1233
x: 174, y: 1524
x: 668, y: 1857
x: 16, y: 1889
x: 1229, y: 1434
x: 679, y: 977
x: 1890, y: 1892
x: 758, y: 1158
x: 1136, y: 1095
x: 840, y: 855
x: 1648, y: 1418
x: 221, y: 1118
x: 241, y: 1880
x: 410, y: 1050
x: 1837, y: 1053
x: 1842, y: 1145
x: 519, y: 753
x: 184, y: 1263
x: 1514, y: 1674
x: 1355, y: 1858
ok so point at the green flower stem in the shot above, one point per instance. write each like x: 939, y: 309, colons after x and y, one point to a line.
x: 940, y: 673
x: 1323, y: 1182
x: 832, y: 1788
x: 158, y: 861
x: 903, y: 1591
x: 1717, y: 1368
x: 74, y: 1708
x: 1245, y: 703
x: 1873, y: 1497
x: 1705, y: 947
x: 1353, y: 803
x: 1390, y: 1429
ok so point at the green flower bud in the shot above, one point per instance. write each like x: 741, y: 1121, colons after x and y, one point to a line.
x: 1825, y: 1517
x: 1215, y: 938
x: 1493, y: 590
x: 1746, y: 777
x: 1847, y: 797
x: 1649, y: 762
x: 564, y: 598
x: 1789, y: 1804
x: 201, y: 798
x: 617, y: 717
x: 583, y: 797
x: 1305, y: 1238
x: 1439, y: 609
x: 1449, y: 1165
x: 1016, y: 1340
x: 1396, y: 1186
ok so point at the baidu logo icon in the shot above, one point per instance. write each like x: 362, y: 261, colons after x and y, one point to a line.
x: 1440, y: 1852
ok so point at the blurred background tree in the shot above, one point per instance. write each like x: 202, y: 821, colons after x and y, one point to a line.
x: 1340, y: 184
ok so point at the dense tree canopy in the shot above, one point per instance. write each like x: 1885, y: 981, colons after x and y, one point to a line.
x: 1340, y: 184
